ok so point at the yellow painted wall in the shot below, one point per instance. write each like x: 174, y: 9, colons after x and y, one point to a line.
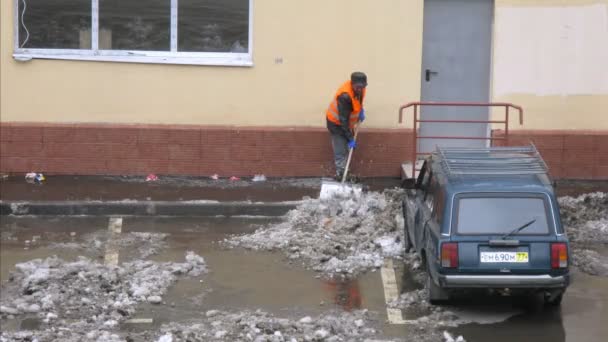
x: 319, y: 49
x: 320, y: 43
x: 551, y: 57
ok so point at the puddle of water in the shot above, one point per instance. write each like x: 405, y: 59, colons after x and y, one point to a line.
x: 238, y: 279
x: 581, y: 316
x: 241, y: 279
x: 42, y: 233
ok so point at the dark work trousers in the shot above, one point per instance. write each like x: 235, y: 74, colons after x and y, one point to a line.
x: 340, y: 145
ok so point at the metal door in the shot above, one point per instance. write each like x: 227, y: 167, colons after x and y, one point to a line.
x: 455, y: 68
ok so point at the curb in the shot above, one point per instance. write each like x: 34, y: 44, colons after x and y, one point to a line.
x: 147, y: 208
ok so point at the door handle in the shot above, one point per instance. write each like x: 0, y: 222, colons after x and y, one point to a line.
x: 428, y: 73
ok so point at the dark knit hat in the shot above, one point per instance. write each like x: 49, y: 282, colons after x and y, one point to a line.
x: 358, y: 78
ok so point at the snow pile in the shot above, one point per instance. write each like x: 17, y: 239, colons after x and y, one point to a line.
x: 84, y: 296
x: 585, y: 219
x: 262, y: 326
x: 338, y: 235
x: 590, y: 261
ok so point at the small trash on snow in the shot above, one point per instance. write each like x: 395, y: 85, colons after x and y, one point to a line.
x: 259, y: 178
x: 33, y: 177
x: 234, y: 178
x: 151, y: 178
x: 215, y: 177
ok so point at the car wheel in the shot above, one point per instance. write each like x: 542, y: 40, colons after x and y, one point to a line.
x: 435, y: 293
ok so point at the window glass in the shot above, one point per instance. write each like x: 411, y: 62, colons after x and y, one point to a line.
x: 201, y: 32
x: 494, y: 215
x: 135, y: 25
x: 213, y: 26
x: 57, y: 24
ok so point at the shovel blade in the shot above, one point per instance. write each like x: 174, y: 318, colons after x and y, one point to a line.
x: 330, y: 188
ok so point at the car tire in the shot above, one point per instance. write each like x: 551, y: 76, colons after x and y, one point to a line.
x: 435, y: 294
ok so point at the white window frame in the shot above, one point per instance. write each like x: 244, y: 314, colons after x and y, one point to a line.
x: 135, y: 56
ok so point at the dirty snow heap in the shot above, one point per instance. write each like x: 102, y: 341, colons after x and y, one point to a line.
x: 585, y: 219
x: 83, y: 299
x: 336, y: 236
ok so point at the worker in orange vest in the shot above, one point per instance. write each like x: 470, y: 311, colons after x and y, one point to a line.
x: 345, y: 110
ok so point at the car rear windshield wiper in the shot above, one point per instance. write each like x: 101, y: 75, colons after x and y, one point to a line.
x: 518, y: 229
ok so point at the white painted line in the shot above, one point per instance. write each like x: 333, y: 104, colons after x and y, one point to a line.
x: 391, y: 292
x: 115, y: 225
x: 395, y: 316
x: 139, y: 321
x: 115, y: 228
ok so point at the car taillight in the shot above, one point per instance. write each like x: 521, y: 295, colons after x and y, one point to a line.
x: 559, y: 255
x: 449, y: 255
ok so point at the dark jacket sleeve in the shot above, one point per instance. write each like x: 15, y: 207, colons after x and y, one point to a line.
x: 345, y: 107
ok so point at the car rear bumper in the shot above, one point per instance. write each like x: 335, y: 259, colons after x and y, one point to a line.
x: 504, y: 281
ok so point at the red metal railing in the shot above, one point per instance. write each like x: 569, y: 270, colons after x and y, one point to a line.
x: 415, y: 152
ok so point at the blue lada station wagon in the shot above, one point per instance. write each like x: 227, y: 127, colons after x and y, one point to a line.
x: 487, y: 218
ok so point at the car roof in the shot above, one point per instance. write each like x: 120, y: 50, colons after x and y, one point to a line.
x: 491, y: 170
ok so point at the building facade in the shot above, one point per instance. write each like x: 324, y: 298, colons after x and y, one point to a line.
x: 240, y: 87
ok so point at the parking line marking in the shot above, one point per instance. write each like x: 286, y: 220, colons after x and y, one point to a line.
x: 114, y: 228
x: 391, y: 292
x: 139, y: 321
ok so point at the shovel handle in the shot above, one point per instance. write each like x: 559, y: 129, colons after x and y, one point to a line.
x: 350, y: 154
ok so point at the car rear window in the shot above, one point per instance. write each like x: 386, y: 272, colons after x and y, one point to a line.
x: 500, y: 215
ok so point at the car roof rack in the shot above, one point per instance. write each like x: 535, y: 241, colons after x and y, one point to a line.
x: 524, y: 160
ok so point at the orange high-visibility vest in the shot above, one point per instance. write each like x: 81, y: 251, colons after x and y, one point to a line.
x: 332, y: 112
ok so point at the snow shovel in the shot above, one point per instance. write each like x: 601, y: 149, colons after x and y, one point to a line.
x: 331, y: 188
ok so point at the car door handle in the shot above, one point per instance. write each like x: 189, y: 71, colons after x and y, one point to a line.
x: 428, y: 73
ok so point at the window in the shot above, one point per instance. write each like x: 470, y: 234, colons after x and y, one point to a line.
x: 215, y: 32
x: 501, y: 215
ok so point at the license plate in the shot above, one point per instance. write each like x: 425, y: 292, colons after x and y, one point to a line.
x: 503, y: 257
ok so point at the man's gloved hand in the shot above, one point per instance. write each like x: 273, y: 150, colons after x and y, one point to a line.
x: 352, y: 144
x: 362, y: 115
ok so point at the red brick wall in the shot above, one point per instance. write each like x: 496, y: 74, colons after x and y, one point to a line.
x: 88, y: 149
x: 569, y: 154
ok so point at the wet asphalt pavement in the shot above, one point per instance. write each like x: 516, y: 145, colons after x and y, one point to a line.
x: 240, y: 279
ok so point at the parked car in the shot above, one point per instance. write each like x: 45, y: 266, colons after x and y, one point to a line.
x: 487, y: 219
